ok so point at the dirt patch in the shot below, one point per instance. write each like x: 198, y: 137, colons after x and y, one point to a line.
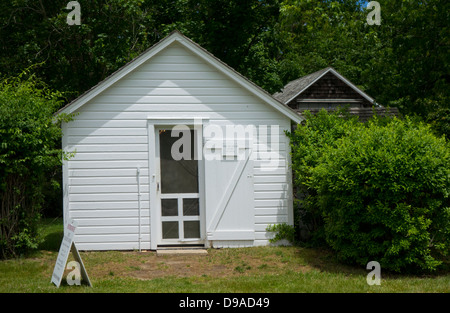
x: 217, y: 263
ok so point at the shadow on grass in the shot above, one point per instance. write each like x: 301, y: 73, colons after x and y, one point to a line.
x: 325, y: 260
x: 52, y: 233
x: 52, y: 241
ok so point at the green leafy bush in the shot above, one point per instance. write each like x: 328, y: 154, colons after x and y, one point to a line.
x: 307, y: 144
x: 282, y: 231
x: 383, y: 192
x: 29, y: 148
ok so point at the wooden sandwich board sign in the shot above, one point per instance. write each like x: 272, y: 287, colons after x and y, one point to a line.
x: 68, y: 245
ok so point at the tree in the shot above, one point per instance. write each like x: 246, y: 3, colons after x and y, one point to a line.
x: 404, y: 62
x: 29, y: 134
x: 112, y: 33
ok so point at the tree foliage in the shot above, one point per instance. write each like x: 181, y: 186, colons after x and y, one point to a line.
x: 113, y: 32
x: 404, y: 62
x: 29, y: 136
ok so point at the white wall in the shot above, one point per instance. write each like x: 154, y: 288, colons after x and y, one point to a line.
x: 110, y: 139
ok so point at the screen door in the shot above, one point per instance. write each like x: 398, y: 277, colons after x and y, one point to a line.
x: 178, y: 187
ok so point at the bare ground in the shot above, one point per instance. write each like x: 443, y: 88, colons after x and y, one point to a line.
x: 217, y: 263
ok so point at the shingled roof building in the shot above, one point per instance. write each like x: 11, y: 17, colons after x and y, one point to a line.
x: 328, y: 89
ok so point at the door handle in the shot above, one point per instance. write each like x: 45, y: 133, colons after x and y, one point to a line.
x: 157, y: 186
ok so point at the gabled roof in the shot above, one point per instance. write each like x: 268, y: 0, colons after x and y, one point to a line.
x: 176, y: 36
x: 294, y: 88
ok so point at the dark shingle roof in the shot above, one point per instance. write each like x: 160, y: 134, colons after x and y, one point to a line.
x: 296, y: 86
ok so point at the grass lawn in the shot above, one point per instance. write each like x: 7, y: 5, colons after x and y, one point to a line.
x: 259, y: 269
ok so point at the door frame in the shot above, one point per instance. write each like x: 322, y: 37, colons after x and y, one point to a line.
x: 153, y: 124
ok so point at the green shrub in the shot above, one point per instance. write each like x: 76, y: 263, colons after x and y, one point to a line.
x: 307, y: 144
x: 383, y: 192
x: 29, y: 149
x: 282, y: 231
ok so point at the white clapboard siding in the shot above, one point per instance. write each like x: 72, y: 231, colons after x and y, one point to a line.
x: 175, y: 91
x: 106, y: 140
x: 120, y: 164
x: 110, y: 137
x: 110, y: 148
x: 106, y: 230
x: 108, y: 123
x: 108, y: 205
x: 107, y: 196
x: 112, y: 172
x: 106, y: 110
x: 112, y: 221
x: 91, y: 238
x: 92, y: 213
x: 88, y: 181
x: 182, y: 83
x: 100, y: 246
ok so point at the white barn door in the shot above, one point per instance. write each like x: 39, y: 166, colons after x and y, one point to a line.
x: 229, y: 197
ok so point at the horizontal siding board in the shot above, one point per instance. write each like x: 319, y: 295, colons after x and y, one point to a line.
x: 269, y: 195
x: 109, y: 131
x: 87, y: 181
x: 271, y: 187
x: 111, y: 109
x: 217, y: 118
x: 259, y: 178
x: 270, y: 155
x: 177, y: 75
x: 264, y: 236
x: 95, y: 222
x: 111, y: 205
x: 177, y: 50
x: 271, y: 211
x: 107, y: 189
x: 110, y: 172
x: 269, y: 171
x: 110, y: 148
x: 74, y: 164
x: 113, y: 246
x: 175, y: 91
x: 111, y: 238
x: 108, y: 123
x: 261, y: 227
x: 176, y: 68
x: 101, y: 197
x: 181, y: 83
x: 71, y: 140
x: 112, y: 230
x: 171, y: 59
x: 94, y: 156
x: 262, y: 203
x: 110, y: 213
x: 274, y: 219
x: 180, y: 99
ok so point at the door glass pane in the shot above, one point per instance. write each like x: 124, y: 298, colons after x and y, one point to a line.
x: 191, y: 229
x: 170, y: 230
x: 178, y: 176
x: 190, y: 207
x: 169, y: 207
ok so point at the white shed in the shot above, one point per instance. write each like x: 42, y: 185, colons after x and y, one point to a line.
x: 176, y: 148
